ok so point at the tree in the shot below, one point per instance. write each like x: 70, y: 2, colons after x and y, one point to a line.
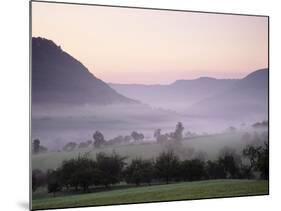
x: 53, y: 181
x: 231, y: 168
x: 86, y: 172
x: 79, y: 172
x: 230, y: 162
x: 69, y: 146
x: 38, y: 179
x: 251, y: 154
x: 69, y: 175
x: 137, y: 136
x: 148, y: 171
x: 157, y: 134
x: 161, y: 138
x: 263, y: 162
x: 110, y: 168
x: 127, y: 139
x: 98, y: 139
x: 177, y: 135
x: 36, y: 146
x: 231, y: 129
x: 134, y: 135
x: 257, y: 158
x: 139, y: 171
x: 179, y: 131
x: 214, y: 170
x: 192, y: 169
x: 263, y: 124
x: 167, y: 165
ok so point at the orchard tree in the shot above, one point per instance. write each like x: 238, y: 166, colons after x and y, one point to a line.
x: 214, y: 170
x: 192, y: 169
x: 177, y: 135
x: 98, y: 139
x: 263, y: 162
x: 231, y: 163
x: 53, y: 181
x: 38, y: 179
x: 167, y: 166
x: 36, y: 146
x: 179, y: 131
x: 110, y: 168
x: 137, y: 136
x: 139, y: 171
x: 251, y: 155
x: 157, y: 134
x: 69, y: 146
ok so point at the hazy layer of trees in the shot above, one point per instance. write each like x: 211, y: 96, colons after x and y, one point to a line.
x: 83, y: 173
x: 176, y: 136
x: 263, y: 124
x: 135, y: 137
x: 37, y: 147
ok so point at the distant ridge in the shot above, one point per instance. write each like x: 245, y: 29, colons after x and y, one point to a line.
x: 184, y: 92
x: 207, y: 96
x: 247, y: 97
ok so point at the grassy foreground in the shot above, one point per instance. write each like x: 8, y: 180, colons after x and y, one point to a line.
x: 177, y: 191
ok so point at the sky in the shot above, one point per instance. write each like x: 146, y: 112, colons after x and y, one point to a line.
x: 137, y: 46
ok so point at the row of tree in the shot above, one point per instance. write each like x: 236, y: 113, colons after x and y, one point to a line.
x: 84, y: 172
x: 173, y: 137
x: 229, y: 165
x: 99, y: 140
x: 81, y: 172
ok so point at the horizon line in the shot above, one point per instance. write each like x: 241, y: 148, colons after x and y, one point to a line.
x: 190, y: 79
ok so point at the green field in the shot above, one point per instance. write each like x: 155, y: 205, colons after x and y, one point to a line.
x: 210, y: 145
x: 177, y: 191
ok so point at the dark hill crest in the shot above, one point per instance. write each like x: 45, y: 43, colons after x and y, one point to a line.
x: 57, y: 77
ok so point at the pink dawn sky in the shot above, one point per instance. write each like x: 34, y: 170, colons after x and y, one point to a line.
x: 123, y: 45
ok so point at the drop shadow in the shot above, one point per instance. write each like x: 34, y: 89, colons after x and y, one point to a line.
x: 24, y: 205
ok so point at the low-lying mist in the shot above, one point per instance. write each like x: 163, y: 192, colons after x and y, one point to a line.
x: 56, y: 125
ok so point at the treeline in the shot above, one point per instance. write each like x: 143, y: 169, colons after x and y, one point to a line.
x: 135, y: 137
x: 81, y: 172
x: 263, y: 124
x: 172, y: 137
x: 99, y: 141
x: 84, y: 172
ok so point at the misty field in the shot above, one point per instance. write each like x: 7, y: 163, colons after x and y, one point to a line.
x: 209, y: 144
x: 178, y: 191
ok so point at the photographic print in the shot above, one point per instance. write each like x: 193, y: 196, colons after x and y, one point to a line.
x: 136, y: 105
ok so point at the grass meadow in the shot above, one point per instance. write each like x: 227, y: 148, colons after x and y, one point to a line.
x: 167, y: 192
